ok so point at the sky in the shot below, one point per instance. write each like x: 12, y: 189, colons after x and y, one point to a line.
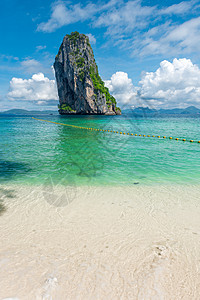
x: 147, y: 51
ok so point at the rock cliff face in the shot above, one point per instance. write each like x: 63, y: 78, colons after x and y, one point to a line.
x: 80, y: 88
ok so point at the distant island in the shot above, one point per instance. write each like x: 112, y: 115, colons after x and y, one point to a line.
x: 80, y: 87
x: 146, y: 111
x: 23, y: 112
x: 135, y: 112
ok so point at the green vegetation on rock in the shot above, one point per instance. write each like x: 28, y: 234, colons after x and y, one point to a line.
x: 99, y: 86
x: 88, y: 43
x: 60, y: 49
x: 65, y: 107
x: 77, y: 52
x: 73, y: 37
x: 80, y: 62
x: 81, y: 75
x: 118, y: 109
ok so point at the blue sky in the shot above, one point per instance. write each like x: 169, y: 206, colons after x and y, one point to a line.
x: 147, y: 51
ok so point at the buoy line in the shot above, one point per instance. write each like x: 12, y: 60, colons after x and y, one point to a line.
x: 119, y: 132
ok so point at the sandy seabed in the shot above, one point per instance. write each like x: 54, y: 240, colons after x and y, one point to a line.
x: 133, y: 242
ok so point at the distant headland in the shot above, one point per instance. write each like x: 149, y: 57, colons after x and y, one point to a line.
x: 24, y: 112
x: 151, y: 112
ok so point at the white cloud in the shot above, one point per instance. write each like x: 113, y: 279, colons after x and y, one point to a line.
x: 121, y: 87
x: 38, y: 88
x: 134, y: 26
x: 186, y: 35
x: 65, y: 14
x: 91, y: 38
x: 125, y: 18
x: 172, y: 85
x: 31, y: 65
x: 180, y: 8
x: 168, y: 38
x: 39, y: 48
x: 9, y: 57
x: 62, y: 15
x: 175, y: 84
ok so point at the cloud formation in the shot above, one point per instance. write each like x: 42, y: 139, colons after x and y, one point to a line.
x: 40, y: 47
x: 91, y: 38
x: 121, y: 87
x: 64, y: 15
x: 38, y: 88
x: 143, y: 30
x: 168, y: 38
x: 125, y: 17
x: 175, y: 84
x: 31, y: 65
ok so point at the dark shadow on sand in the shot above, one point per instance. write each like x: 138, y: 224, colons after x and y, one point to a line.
x: 5, y: 193
x: 8, y: 171
x: 2, y: 208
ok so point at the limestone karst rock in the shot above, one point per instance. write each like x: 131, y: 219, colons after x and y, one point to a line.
x: 80, y: 88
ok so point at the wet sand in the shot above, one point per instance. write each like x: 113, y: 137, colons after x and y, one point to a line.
x: 135, y: 242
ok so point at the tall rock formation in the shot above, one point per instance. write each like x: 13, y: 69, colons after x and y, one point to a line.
x: 80, y: 88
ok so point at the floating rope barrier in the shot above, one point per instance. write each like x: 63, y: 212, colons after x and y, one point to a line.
x: 117, y: 132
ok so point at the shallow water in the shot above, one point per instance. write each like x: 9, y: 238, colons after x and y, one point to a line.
x: 34, y: 152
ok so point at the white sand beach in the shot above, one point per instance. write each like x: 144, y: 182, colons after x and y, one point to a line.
x: 137, y: 242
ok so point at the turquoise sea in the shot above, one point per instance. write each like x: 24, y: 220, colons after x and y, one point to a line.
x: 35, y: 152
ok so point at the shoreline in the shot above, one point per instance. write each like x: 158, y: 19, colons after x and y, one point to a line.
x: 136, y: 242
x: 108, y: 185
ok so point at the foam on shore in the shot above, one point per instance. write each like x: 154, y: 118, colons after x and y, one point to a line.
x: 137, y: 242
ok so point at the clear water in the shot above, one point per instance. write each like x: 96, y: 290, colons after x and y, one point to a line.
x: 35, y: 152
